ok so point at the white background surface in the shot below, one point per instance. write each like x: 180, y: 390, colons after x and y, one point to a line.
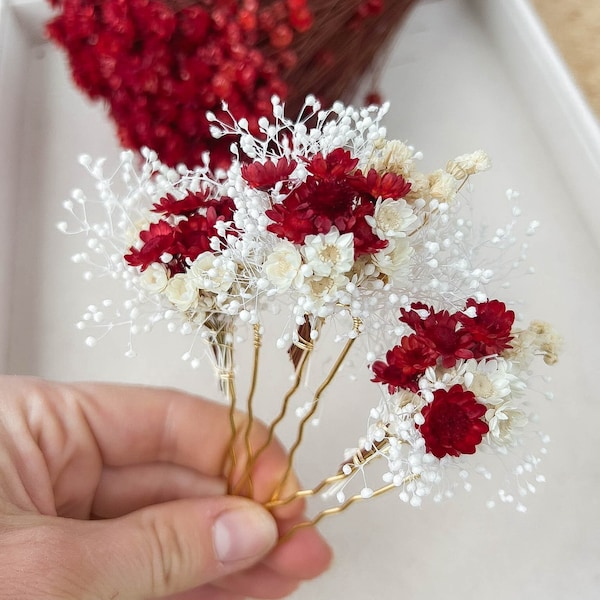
x: 463, y: 75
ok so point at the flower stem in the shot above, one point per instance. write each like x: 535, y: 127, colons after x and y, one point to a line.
x: 341, y: 508
x: 358, y: 461
x: 327, y: 381
x: 247, y: 473
x: 307, y: 347
x: 222, y: 346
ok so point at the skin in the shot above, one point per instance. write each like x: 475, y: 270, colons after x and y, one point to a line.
x: 111, y: 491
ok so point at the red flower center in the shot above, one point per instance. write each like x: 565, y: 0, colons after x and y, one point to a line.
x: 453, y: 423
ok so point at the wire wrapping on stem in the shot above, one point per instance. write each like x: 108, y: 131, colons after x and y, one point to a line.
x: 247, y: 473
x: 342, y: 507
x: 358, y: 461
x: 357, y: 325
x: 307, y: 347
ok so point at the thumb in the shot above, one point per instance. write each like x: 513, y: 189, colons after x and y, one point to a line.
x: 176, y: 546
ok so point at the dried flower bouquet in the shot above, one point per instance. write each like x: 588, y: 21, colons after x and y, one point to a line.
x: 159, y: 65
x: 326, y: 220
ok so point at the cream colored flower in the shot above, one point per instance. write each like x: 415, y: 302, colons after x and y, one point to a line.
x: 505, y: 420
x: 393, y: 260
x: 468, y: 164
x: 395, y: 157
x: 329, y: 254
x: 154, y: 279
x: 181, y: 292
x: 392, y: 218
x: 492, y: 381
x: 442, y: 186
x: 282, y: 266
x: 210, y: 272
x: 318, y: 288
x: 538, y: 338
x: 419, y: 186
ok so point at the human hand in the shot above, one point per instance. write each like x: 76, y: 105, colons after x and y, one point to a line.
x: 112, y: 492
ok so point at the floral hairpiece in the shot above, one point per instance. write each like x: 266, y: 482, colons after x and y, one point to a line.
x: 327, y: 219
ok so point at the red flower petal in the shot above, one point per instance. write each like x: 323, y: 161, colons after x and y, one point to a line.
x: 453, y: 424
x: 443, y: 329
x: 490, y: 329
x: 158, y: 239
x: 263, y: 176
x: 405, y: 363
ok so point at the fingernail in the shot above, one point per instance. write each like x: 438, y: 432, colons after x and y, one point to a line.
x: 241, y: 534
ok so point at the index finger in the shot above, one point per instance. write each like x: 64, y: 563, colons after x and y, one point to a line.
x: 137, y: 424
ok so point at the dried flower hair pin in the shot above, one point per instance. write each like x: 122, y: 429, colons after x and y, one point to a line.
x: 324, y: 219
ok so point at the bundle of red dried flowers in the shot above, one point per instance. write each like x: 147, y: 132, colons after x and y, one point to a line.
x: 162, y: 64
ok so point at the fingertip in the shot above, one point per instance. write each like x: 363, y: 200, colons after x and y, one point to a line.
x: 246, y: 532
x: 303, y: 555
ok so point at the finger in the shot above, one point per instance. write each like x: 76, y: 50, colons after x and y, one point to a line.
x: 136, y: 424
x: 169, y: 548
x: 206, y: 592
x: 259, y: 582
x: 122, y: 490
x: 304, y: 555
x: 170, y: 426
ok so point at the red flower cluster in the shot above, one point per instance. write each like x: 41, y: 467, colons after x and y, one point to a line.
x: 334, y: 194
x: 162, y: 64
x: 185, y: 240
x: 453, y: 422
x: 443, y: 338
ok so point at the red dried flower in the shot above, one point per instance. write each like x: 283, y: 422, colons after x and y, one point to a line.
x: 263, y: 176
x: 328, y: 198
x: 186, y: 240
x: 375, y: 185
x: 405, y: 363
x: 158, y: 239
x: 490, y: 329
x: 336, y: 166
x: 293, y: 219
x: 453, y: 423
x: 160, y: 65
x: 169, y: 205
x: 366, y: 241
x: 444, y: 330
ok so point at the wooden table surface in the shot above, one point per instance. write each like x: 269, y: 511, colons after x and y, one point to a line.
x: 575, y: 28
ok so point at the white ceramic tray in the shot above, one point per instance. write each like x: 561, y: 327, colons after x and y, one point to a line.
x: 463, y: 74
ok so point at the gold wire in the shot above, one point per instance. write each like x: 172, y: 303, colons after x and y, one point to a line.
x: 308, y: 347
x: 357, y: 461
x: 339, y: 509
x: 306, y: 493
x: 227, y: 381
x: 340, y: 359
x: 303, y: 344
x: 247, y: 473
